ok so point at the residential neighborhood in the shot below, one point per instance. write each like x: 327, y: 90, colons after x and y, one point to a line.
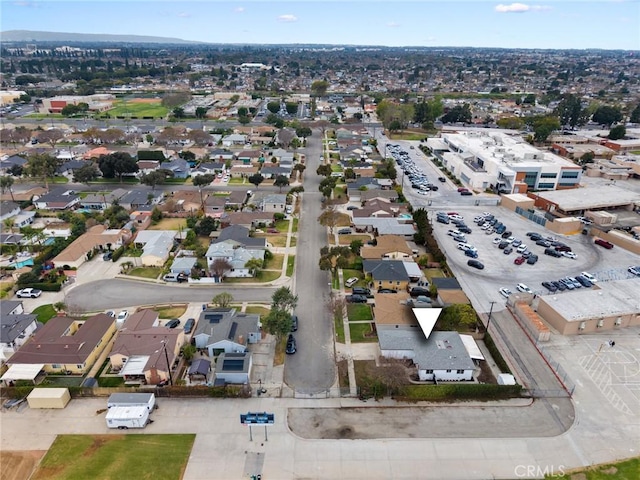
x: 370, y: 239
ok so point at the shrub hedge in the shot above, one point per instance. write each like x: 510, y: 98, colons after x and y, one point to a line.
x: 458, y: 391
x: 117, y: 253
x: 495, y: 353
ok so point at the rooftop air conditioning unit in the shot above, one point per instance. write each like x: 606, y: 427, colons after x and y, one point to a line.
x: 600, y: 323
x: 582, y: 326
x: 618, y: 321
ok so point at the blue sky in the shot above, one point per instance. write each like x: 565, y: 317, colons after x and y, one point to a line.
x: 607, y: 24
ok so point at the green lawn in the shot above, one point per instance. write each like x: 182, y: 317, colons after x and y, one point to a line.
x: 263, y: 277
x: 146, y: 272
x: 137, y: 110
x: 433, y: 273
x: 44, y: 312
x: 275, y: 262
x: 262, y: 311
x: 624, y: 470
x: 359, y: 311
x: 114, y: 457
x: 358, y: 331
x: 291, y: 262
x: 339, y: 326
x: 295, y: 225
x: 282, y: 226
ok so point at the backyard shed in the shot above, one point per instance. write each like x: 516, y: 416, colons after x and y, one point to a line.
x: 49, y: 398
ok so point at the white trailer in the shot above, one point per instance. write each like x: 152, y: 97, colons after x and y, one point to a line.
x: 132, y: 400
x: 128, y: 417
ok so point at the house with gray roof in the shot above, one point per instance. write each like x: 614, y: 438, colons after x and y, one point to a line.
x: 178, y: 166
x: 274, y: 203
x: 239, y: 236
x: 12, y: 161
x: 16, y: 327
x: 386, y: 273
x: 221, y: 154
x: 385, y: 226
x: 441, y: 357
x: 57, y: 199
x: 156, y: 246
x: 183, y: 265
x: 138, y: 198
x: 100, y: 201
x: 235, y: 139
x: 273, y: 172
x: 226, y: 330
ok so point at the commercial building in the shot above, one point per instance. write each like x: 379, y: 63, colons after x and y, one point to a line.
x: 502, y: 163
x: 578, y: 201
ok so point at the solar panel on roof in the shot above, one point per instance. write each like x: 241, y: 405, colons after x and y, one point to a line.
x: 232, y: 332
x: 233, y: 365
x: 213, y: 317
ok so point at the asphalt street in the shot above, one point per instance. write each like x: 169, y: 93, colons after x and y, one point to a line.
x: 312, y: 368
x: 120, y: 293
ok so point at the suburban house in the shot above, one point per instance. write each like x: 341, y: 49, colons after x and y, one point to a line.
x: 236, y: 247
x: 360, y: 185
x: 208, y: 168
x: 147, y: 166
x: 178, y: 166
x: 236, y: 199
x: 385, y: 226
x: 24, y: 218
x: 142, y: 347
x: 386, y: 274
x: 135, y: 199
x: 234, y: 139
x: 8, y: 210
x: 233, y: 368
x: 248, y: 220
x: 57, y: 199
x: 272, y: 172
x: 221, y: 154
x: 156, y: 246
x: 225, y: 330
x: 12, y: 161
x: 102, y: 201
x: 391, y: 311
x: 388, y: 247
x: 449, y: 291
x: 57, y: 229
x: 214, y: 206
x: 183, y: 265
x: 97, y: 237
x: 67, y: 345
x: 441, y: 357
x: 16, y: 327
x: 184, y: 201
x: 377, y: 194
x: 67, y: 168
x: 248, y: 157
x: 276, y: 203
x: 284, y: 137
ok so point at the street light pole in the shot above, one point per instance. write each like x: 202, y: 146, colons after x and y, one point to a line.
x: 490, y: 311
x: 166, y: 356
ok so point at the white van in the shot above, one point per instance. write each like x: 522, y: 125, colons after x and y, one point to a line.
x: 170, y: 277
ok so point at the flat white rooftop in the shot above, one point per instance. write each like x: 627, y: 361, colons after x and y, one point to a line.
x: 620, y: 297
x: 590, y: 197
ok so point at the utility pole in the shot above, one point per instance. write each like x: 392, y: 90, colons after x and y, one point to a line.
x: 490, y: 312
x: 166, y: 356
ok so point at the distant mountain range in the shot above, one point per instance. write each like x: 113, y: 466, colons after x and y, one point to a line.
x: 35, y: 36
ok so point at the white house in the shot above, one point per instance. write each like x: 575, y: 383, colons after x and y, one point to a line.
x: 157, y: 244
x: 441, y: 357
x: 233, y: 368
x: 236, y: 256
x: 274, y: 203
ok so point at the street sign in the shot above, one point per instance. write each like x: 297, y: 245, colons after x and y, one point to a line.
x: 257, y: 418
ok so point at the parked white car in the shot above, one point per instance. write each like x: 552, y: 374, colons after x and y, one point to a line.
x: 351, y: 282
x: 524, y: 289
x: 505, y: 292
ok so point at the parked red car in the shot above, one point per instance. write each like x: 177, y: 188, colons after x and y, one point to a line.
x: 604, y: 243
x: 519, y: 260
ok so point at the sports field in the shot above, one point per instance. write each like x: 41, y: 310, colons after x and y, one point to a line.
x: 115, y: 457
x: 138, y: 108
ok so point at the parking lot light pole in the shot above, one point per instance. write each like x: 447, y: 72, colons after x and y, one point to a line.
x: 490, y: 312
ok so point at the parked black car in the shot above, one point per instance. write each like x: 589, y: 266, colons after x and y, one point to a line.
x: 172, y: 323
x: 532, y: 259
x: 188, y: 325
x: 294, y: 323
x: 464, y: 229
x: 356, y: 299
x: 417, y: 291
x: 387, y: 290
x: 584, y: 281
x: 361, y: 291
x: 475, y: 264
x: 506, y: 234
x: 543, y: 243
x: 291, y: 345
x: 552, y: 252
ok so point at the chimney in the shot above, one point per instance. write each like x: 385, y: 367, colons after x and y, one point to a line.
x: 241, y: 339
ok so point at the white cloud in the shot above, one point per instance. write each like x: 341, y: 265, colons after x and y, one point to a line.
x: 393, y: 24
x: 184, y: 15
x: 238, y: 9
x: 520, y: 8
x: 287, y: 18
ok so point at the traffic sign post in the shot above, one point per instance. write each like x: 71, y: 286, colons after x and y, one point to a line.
x: 257, y: 418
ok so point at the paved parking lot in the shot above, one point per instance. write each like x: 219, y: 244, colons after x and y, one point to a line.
x: 482, y: 286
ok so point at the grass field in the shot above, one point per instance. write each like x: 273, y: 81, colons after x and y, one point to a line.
x: 45, y: 312
x: 625, y: 470
x: 262, y: 311
x: 169, y: 224
x: 358, y: 332
x: 359, y: 311
x: 137, y: 110
x: 263, y: 277
x: 291, y: 263
x: 114, y: 457
x: 275, y: 262
x: 146, y: 272
x: 171, y: 312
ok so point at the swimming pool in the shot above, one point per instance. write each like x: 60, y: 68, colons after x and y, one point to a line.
x: 23, y: 263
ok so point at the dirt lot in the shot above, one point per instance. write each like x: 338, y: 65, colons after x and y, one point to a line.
x: 19, y: 465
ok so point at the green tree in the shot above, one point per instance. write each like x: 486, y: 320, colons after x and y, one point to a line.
x: 178, y: 112
x: 156, y: 215
x: 319, y: 88
x: 254, y: 265
x: 277, y: 323
x: 202, y: 180
x: 273, y: 107
x: 543, y: 127
x: 86, y: 173
x: 588, y: 157
x: 283, y: 299
x: 606, y: 115
x: 201, y: 112
x: 355, y: 246
x: 303, y: 132
x: 154, y: 178
x: 281, y: 181
x: 570, y: 111
x: 222, y: 300
x: 512, y: 123
x: 324, y: 170
x: 256, y: 179
x: 43, y: 165
x: 117, y: 164
x: 206, y: 225
x: 617, y: 133
x: 635, y: 115
x: 6, y: 182
x: 459, y: 113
